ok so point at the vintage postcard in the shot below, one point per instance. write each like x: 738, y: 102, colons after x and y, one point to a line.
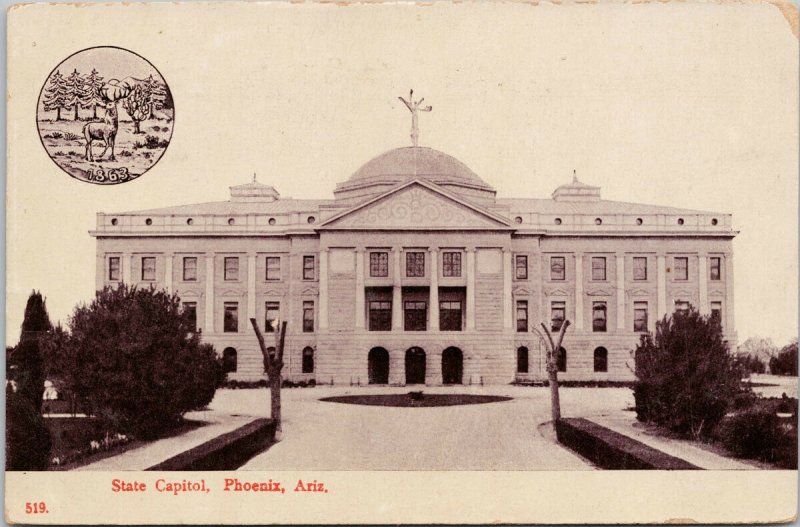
x: 377, y: 263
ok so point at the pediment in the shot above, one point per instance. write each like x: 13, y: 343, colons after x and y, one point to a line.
x: 716, y: 293
x: 231, y: 292
x: 187, y: 293
x: 309, y: 291
x: 271, y: 292
x: 520, y: 290
x: 598, y: 292
x: 557, y: 292
x: 416, y: 205
x: 639, y: 292
x: 683, y: 294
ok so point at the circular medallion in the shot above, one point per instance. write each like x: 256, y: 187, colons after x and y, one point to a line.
x: 105, y: 115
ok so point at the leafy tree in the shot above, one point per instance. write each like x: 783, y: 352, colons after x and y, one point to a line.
x: 76, y: 92
x: 142, y: 366
x: 750, y: 363
x: 785, y: 363
x: 55, y: 95
x: 28, y: 440
x: 63, y: 365
x: 137, y: 105
x: 156, y: 94
x: 92, y: 96
x: 686, y: 377
x: 26, y: 360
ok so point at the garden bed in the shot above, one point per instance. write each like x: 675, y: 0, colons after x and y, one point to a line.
x: 416, y: 399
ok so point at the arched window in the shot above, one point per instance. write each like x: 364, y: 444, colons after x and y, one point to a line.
x: 229, y: 358
x: 308, y: 360
x: 522, y: 359
x: 561, y: 360
x: 600, y: 359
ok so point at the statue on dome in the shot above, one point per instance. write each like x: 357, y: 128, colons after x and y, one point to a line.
x: 414, y: 108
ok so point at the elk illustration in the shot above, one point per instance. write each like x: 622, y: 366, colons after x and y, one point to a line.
x: 105, y: 131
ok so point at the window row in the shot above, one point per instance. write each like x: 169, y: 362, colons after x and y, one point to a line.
x: 230, y: 321
x: 272, y: 267
x: 415, y: 264
x: 680, y: 268
x: 230, y: 359
x: 600, y: 359
x: 415, y: 315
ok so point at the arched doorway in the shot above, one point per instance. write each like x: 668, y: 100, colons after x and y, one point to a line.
x: 600, y: 359
x: 415, y: 366
x: 452, y: 366
x: 378, y: 366
x: 561, y: 360
x: 229, y: 360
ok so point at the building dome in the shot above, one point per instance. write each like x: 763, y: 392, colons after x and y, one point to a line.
x: 401, y: 165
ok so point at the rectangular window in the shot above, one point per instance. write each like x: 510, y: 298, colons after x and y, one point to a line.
x: 716, y: 310
x: 640, y: 316
x: 113, y: 268
x: 558, y: 312
x: 380, y: 315
x: 681, y: 268
x: 415, y: 264
x: 599, y: 316
x: 598, y: 268
x: 522, y: 316
x: 272, y: 312
x: 148, y: 268
x: 308, y: 317
x: 231, y: 268
x: 308, y: 268
x: 715, y: 270
x: 451, y: 264
x: 521, y: 267
x: 273, y: 268
x: 190, y: 269
x: 557, y: 269
x: 416, y: 316
x: 640, y: 268
x: 681, y: 306
x: 190, y: 310
x: 379, y: 265
x: 231, y: 320
x: 450, y: 315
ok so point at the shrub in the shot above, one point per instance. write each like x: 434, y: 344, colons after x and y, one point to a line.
x: 786, y: 361
x: 151, y: 142
x: 54, y: 135
x: 141, y: 366
x: 686, y: 377
x: 27, y: 438
x: 760, y: 434
x: 69, y: 136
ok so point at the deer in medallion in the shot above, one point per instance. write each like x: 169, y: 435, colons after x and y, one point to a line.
x: 105, y: 131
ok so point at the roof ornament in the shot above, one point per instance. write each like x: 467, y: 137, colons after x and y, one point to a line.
x: 574, y: 176
x: 414, y: 108
x: 254, y: 177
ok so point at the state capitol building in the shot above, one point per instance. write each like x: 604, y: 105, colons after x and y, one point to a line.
x: 417, y: 273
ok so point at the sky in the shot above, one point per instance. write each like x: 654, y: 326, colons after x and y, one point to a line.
x: 685, y: 105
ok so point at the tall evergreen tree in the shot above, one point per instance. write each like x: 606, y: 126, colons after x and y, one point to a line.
x: 156, y: 94
x: 92, y: 97
x: 55, y: 95
x: 76, y: 91
x: 27, y: 357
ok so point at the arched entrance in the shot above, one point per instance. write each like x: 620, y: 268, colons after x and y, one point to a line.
x: 378, y: 366
x: 415, y: 366
x: 452, y: 366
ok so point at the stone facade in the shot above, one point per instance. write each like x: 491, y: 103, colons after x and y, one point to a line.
x: 416, y: 270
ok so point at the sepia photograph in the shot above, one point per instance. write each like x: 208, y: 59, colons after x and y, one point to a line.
x: 272, y: 253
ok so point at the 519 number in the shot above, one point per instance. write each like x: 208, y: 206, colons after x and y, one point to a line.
x: 35, y: 508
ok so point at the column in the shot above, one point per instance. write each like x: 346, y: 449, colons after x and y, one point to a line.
x: 397, y: 293
x: 101, y: 271
x: 620, y: 291
x: 702, y: 280
x: 433, y: 318
x: 323, y: 289
x: 579, y: 315
x: 251, y: 286
x: 168, y: 258
x: 662, y: 286
x: 359, y: 289
x: 127, y: 263
x: 507, y: 296
x: 727, y: 307
x: 209, y: 325
x: 470, y: 289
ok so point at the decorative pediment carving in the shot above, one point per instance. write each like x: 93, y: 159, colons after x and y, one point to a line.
x: 716, y: 293
x: 638, y: 292
x: 521, y: 290
x: 416, y: 206
x: 556, y: 292
x: 598, y: 292
x: 188, y: 293
x: 309, y: 291
x: 232, y: 292
x: 683, y: 294
x: 272, y: 292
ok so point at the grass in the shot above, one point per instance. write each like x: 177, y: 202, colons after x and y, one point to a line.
x: 416, y: 399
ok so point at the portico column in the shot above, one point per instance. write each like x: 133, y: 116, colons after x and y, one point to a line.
x: 578, y: 291
x: 397, y: 293
x: 251, y: 286
x: 168, y: 257
x: 728, y: 306
x: 507, y: 297
x: 470, y: 289
x: 702, y: 280
x: 323, y: 289
x: 359, y: 289
x: 433, y: 320
x: 209, y: 325
x: 127, y: 263
x: 620, y: 291
x: 662, y: 286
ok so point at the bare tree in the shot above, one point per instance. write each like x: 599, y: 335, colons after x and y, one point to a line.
x: 273, y: 364
x: 553, y: 349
